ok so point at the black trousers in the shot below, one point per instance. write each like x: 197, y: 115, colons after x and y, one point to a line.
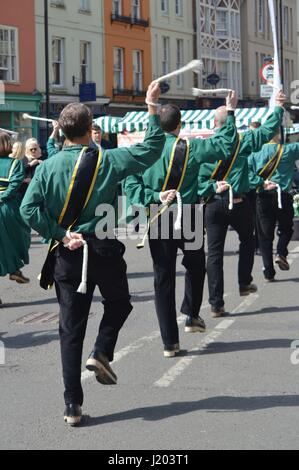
x: 164, y: 255
x: 107, y: 270
x: 268, y: 215
x: 218, y: 218
x: 251, y: 196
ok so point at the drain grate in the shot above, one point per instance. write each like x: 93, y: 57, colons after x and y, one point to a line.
x: 39, y: 318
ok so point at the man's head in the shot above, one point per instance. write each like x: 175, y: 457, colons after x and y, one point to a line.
x: 96, y: 134
x: 75, y: 122
x: 171, y: 118
x: 5, y: 144
x: 220, y: 117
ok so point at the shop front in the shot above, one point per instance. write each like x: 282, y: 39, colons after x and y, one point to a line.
x: 11, y: 114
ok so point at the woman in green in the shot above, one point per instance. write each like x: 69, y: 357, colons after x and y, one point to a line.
x: 14, y: 234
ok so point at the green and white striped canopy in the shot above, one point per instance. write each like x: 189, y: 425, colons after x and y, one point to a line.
x: 192, y: 120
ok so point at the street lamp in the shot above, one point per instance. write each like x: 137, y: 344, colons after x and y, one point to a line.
x: 47, y: 75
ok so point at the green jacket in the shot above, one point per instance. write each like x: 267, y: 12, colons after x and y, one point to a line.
x: 145, y: 190
x: 251, y: 142
x: 284, y: 174
x: 11, y: 177
x: 51, y: 148
x: 46, y: 195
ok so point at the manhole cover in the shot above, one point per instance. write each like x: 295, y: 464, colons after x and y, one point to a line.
x: 36, y: 318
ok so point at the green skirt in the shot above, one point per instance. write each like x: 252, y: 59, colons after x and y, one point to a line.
x: 14, y: 239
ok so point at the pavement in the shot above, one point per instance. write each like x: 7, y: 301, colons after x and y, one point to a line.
x: 235, y: 387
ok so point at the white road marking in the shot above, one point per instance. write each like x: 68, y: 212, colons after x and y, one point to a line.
x: 138, y: 344
x: 184, y: 363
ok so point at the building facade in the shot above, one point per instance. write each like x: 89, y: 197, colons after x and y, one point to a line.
x: 172, y: 35
x: 128, y: 70
x: 18, y: 67
x: 219, y: 43
x: 257, y: 44
x: 76, y: 53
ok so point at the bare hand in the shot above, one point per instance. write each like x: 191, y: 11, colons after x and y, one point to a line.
x: 167, y: 197
x: 232, y: 101
x: 35, y: 162
x: 280, y: 98
x: 222, y: 186
x: 56, y: 127
x: 73, y: 241
x: 269, y: 186
x: 153, y: 93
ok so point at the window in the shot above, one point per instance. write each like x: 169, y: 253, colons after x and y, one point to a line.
x: 118, y: 54
x: 58, y: 62
x: 180, y: 61
x: 85, y: 54
x: 179, y: 8
x: 166, y: 55
x: 261, y: 16
x: 136, y: 9
x: 116, y: 7
x: 9, y: 55
x: 223, y: 73
x: 165, y: 7
x: 222, y: 23
x: 286, y: 29
x: 137, y: 68
x: 84, y: 5
x: 57, y: 3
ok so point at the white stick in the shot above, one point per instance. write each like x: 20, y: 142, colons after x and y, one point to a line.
x: 178, y: 222
x: 195, y: 65
x: 8, y: 132
x: 231, y: 198
x: 279, y: 193
x: 34, y: 118
x: 294, y: 108
x: 219, y: 91
x: 83, y: 286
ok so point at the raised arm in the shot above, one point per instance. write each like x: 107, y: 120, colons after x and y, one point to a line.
x: 253, y: 141
x: 139, y: 158
x: 223, y: 145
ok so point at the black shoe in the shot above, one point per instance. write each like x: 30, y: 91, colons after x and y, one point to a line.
x: 73, y: 415
x: 282, y: 263
x: 99, y: 364
x: 195, y: 325
x: 172, y: 350
x: 247, y: 290
x: 19, y: 278
x: 217, y: 312
x: 270, y: 280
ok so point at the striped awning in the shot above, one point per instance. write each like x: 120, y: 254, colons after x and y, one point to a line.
x: 192, y: 120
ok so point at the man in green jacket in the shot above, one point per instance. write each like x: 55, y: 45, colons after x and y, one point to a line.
x: 177, y: 171
x: 272, y: 174
x: 224, y: 185
x: 51, y: 208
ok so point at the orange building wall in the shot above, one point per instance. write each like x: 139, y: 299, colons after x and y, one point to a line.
x: 20, y: 14
x: 129, y: 38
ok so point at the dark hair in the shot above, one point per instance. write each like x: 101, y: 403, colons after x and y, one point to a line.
x: 5, y: 144
x: 170, y: 117
x: 75, y: 120
x: 96, y: 128
x: 255, y: 125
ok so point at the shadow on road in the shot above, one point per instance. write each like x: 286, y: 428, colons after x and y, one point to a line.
x: 219, y: 404
x: 29, y: 340
x: 221, y: 348
x: 268, y: 310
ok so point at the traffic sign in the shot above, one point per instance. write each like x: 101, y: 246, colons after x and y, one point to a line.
x: 267, y: 72
x: 165, y: 87
x: 213, y: 79
x: 266, y: 91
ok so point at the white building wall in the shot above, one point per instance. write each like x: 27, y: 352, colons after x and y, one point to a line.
x: 169, y: 24
x: 71, y: 24
x: 220, y: 50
